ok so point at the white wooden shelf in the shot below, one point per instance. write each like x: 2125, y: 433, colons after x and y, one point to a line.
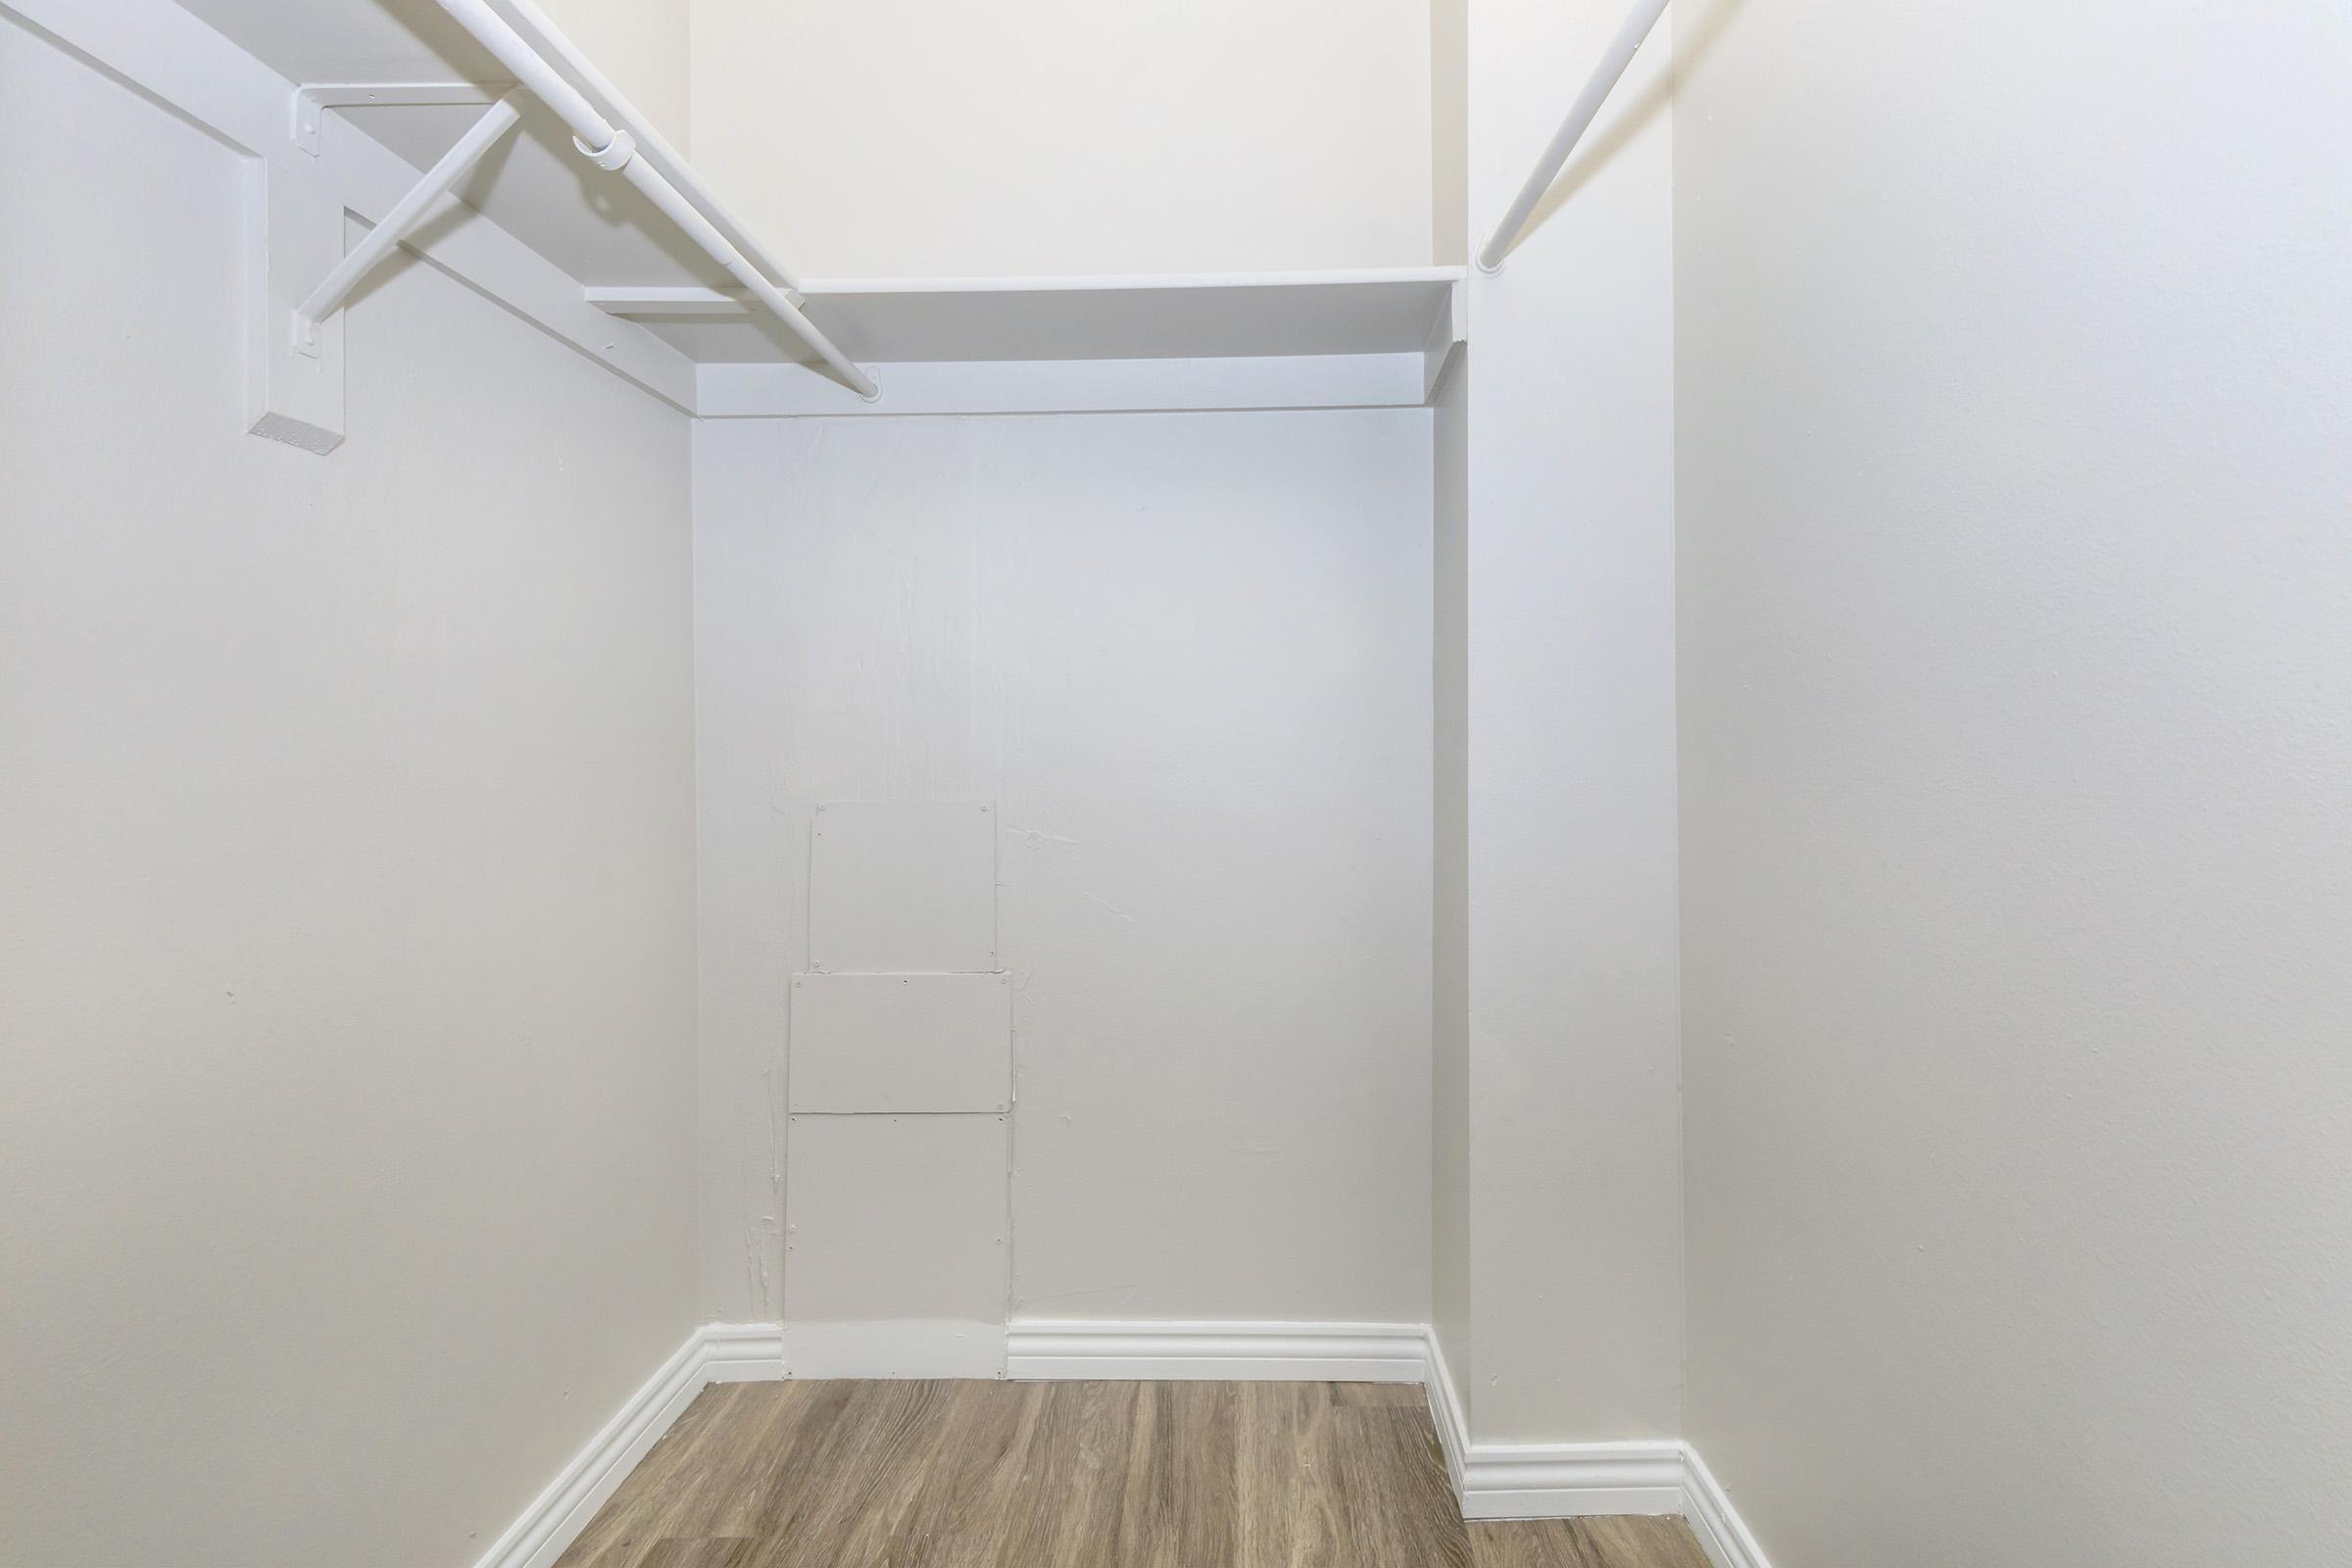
x: 1269, y: 340
x: 1342, y: 339
x: 993, y: 318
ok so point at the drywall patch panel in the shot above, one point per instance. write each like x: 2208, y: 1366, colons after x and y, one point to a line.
x: 898, y: 1075
x: 901, y: 1043
x: 895, y: 1244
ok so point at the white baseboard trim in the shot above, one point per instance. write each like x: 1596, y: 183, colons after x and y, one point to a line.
x: 1549, y: 1480
x: 743, y: 1352
x: 717, y: 1352
x: 1239, y: 1351
x: 1571, y: 1480
x: 1722, y: 1533
x: 1492, y: 1480
x: 1445, y: 1412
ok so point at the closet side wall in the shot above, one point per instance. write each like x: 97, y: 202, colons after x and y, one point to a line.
x: 1186, y: 657
x: 1573, y: 1102
x: 1449, y: 132
x: 2016, y: 661
x: 346, y: 905
x: 1449, y: 950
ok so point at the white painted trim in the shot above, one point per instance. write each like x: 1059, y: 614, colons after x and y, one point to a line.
x: 1492, y: 1480
x: 1071, y: 386
x: 1124, y: 282
x: 1569, y: 1480
x: 1338, y: 1353
x: 685, y: 299
x: 717, y: 1352
x: 1449, y: 336
x: 563, y: 1509
x: 1722, y: 1533
x: 1447, y: 1412
x: 743, y: 1352
x: 1548, y: 1480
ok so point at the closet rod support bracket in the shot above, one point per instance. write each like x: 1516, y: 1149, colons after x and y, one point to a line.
x: 612, y: 155
x: 312, y: 100
x: 401, y: 221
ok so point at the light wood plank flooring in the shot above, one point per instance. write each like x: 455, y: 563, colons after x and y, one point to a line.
x: 1074, y: 1474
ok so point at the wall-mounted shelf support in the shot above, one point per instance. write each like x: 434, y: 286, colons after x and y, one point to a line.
x: 312, y: 102
x: 1043, y: 345
x: 401, y: 221
x: 1598, y: 87
x: 672, y: 300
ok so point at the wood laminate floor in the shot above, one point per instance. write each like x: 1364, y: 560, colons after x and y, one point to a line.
x: 1074, y: 1474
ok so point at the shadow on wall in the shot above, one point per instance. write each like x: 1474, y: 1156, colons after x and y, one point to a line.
x: 1595, y: 151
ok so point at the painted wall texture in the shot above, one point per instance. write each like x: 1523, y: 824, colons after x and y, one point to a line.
x: 1188, y: 658
x: 2015, y: 674
x: 644, y: 47
x: 1570, y: 1107
x: 1449, y: 132
x: 346, y: 905
x: 904, y: 138
x: 1449, y: 908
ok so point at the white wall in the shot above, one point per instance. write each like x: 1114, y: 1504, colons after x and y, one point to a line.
x: 1449, y: 908
x: 346, y: 1107
x: 2016, y: 666
x: 909, y: 138
x: 1449, y: 132
x: 644, y: 47
x: 1569, y: 942
x: 1188, y: 658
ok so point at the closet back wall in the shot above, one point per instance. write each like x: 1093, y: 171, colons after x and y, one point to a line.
x: 905, y: 138
x: 643, y: 46
x: 1188, y: 656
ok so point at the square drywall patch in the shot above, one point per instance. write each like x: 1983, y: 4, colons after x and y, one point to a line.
x: 902, y: 885
x: 902, y: 1042
x: 895, y: 1243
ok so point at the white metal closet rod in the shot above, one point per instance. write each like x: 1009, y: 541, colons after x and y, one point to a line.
x: 1621, y: 52
x: 616, y: 149
x: 535, y: 27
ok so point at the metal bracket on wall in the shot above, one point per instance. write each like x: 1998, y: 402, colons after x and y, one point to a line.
x: 312, y: 100
x: 296, y: 238
x: 401, y: 221
x: 302, y: 277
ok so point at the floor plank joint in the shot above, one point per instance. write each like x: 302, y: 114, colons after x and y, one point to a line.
x: 938, y: 1474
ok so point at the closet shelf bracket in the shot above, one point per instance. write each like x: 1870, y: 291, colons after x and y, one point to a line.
x: 302, y: 277
x: 312, y: 102
x: 401, y: 221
